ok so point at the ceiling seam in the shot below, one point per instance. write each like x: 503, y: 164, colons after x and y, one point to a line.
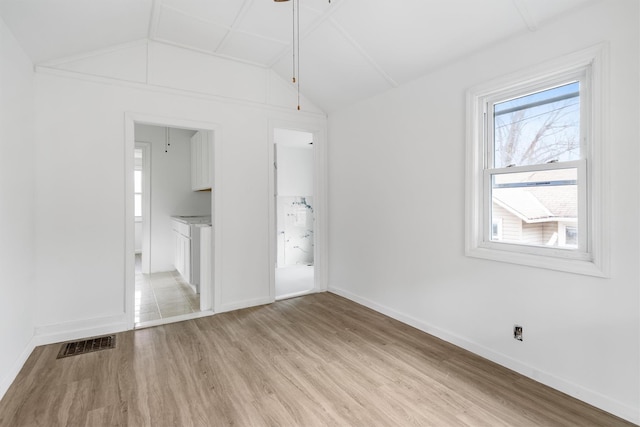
x: 154, y: 21
x: 243, y: 11
x: 319, y: 21
x: 363, y: 53
x: 523, y: 10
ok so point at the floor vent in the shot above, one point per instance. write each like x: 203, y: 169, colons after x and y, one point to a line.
x: 87, y: 346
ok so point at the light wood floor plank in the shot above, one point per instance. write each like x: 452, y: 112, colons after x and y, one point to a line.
x: 318, y: 360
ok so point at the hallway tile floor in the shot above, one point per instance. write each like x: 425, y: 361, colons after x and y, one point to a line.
x: 162, y: 295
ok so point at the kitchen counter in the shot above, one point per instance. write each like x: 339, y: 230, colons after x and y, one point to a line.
x: 192, y: 219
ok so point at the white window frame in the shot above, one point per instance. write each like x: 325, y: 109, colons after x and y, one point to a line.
x: 592, y: 257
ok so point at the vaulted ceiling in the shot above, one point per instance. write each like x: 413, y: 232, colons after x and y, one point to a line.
x: 349, y: 49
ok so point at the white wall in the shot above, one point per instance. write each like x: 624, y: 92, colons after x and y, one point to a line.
x: 295, y: 171
x: 17, y: 203
x: 399, y: 157
x: 80, y: 133
x: 171, y: 192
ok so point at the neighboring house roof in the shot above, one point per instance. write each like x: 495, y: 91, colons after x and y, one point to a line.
x: 540, y: 203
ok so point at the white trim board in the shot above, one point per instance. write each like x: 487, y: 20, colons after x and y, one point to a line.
x: 110, y: 81
x: 11, y: 376
x: 591, y: 397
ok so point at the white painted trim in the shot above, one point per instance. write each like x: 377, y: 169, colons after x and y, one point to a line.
x: 154, y: 20
x: 11, y: 376
x: 131, y: 118
x: 591, y: 397
x: 209, y: 53
x: 345, y: 34
x: 239, y: 305
x: 307, y: 31
x: 74, y: 75
x: 598, y: 179
x: 92, y: 54
x: 129, y: 222
x: 246, y: 4
x: 320, y: 231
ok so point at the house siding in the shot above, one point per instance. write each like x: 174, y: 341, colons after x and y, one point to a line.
x: 511, y: 224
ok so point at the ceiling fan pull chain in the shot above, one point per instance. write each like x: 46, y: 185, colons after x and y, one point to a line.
x: 298, y: 48
x: 295, y: 45
x: 293, y: 40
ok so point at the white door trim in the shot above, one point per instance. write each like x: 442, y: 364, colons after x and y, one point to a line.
x: 131, y: 119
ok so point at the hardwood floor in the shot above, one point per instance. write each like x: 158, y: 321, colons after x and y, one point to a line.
x: 314, y: 360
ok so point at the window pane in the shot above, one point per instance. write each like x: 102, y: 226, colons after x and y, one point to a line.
x: 137, y: 205
x: 533, y: 207
x: 538, y: 128
x: 137, y: 181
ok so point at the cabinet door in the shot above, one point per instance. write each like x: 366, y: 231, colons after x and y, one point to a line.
x: 178, y: 257
x: 201, y: 171
x: 186, y: 258
x: 205, y: 153
x: 196, y: 161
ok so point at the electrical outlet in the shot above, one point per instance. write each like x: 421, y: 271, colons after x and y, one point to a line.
x: 517, y: 332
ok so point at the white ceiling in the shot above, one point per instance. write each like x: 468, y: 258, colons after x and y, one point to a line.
x: 349, y: 49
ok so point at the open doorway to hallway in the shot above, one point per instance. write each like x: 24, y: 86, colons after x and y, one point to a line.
x: 169, y: 215
x: 294, y: 204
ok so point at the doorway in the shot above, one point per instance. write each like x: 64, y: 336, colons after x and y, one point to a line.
x: 295, y: 212
x: 160, y: 190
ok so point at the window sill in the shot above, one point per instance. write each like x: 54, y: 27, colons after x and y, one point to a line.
x: 567, y: 265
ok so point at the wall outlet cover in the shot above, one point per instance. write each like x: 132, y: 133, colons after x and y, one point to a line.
x: 517, y: 332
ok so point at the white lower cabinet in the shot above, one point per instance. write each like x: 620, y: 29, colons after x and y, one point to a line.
x: 182, y: 253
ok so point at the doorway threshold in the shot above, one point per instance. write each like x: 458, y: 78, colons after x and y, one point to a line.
x: 173, y: 319
x: 295, y: 294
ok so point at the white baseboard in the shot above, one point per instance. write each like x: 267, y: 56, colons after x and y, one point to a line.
x: 60, y: 332
x: 15, y: 369
x: 245, y: 304
x: 51, y: 334
x: 591, y: 397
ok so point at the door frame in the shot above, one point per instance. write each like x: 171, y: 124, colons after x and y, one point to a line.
x: 146, y: 205
x: 132, y: 118
x: 320, y: 252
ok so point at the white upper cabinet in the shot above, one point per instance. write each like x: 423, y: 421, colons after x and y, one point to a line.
x: 201, y: 171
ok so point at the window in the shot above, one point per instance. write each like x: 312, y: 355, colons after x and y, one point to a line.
x: 496, y: 228
x: 534, y: 154
x: 570, y: 235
